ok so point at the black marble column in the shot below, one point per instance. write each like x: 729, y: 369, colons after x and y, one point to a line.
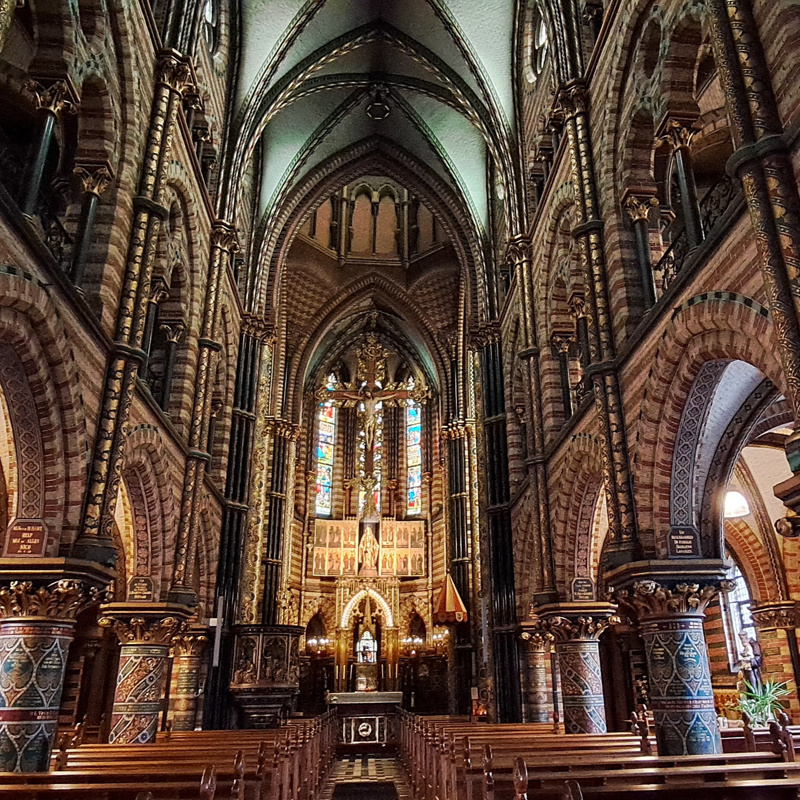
x: 503, y: 597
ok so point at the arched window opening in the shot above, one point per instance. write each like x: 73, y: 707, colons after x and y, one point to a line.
x: 326, y: 444
x: 367, y: 650
x: 736, y: 505
x: 211, y: 24
x: 740, y: 631
x: 413, y: 456
x: 538, y: 44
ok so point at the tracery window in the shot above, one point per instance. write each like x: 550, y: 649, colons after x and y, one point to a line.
x: 538, y: 44
x: 326, y: 442
x: 413, y: 458
x: 210, y: 23
x: 739, y: 625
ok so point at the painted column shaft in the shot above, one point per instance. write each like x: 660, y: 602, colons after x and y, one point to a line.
x: 33, y: 660
x: 537, y: 691
x: 184, y: 690
x: 681, y: 696
x: 581, y: 686
x: 138, y: 697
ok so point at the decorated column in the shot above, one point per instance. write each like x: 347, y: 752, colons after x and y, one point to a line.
x: 537, y: 654
x: 576, y: 629
x: 681, y: 696
x: 37, y: 625
x: 187, y: 663
x: 146, y: 632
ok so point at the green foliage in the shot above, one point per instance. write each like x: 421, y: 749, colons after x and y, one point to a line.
x: 762, y: 703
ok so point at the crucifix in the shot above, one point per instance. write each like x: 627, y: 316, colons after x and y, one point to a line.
x: 369, y: 393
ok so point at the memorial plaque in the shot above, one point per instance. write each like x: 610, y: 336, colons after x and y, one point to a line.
x: 683, y: 543
x: 140, y: 589
x: 582, y: 589
x: 26, y: 537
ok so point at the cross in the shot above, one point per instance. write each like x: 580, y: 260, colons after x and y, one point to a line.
x: 369, y: 394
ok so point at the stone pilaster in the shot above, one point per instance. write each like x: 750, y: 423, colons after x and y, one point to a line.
x: 187, y: 664
x: 623, y: 544
x: 223, y: 245
x: 95, y: 542
x: 146, y: 632
x: 681, y: 696
x: 37, y: 625
x: 519, y: 253
x: 537, y: 655
x: 576, y: 629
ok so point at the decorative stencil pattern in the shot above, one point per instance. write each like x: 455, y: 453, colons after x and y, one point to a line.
x: 140, y: 687
x: 582, y: 686
x: 681, y: 696
x: 33, y: 658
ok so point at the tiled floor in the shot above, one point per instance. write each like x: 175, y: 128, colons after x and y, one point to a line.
x: 360, y: 769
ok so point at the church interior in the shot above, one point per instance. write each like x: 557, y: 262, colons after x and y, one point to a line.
x: 399, y: 399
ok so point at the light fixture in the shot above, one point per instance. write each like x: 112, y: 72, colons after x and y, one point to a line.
x: 318, y: 646
x: 736, y: 505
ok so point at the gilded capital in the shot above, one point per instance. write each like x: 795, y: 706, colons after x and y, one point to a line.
x: 144, y: 629
x: 223, y: 235
x: 189, y: 644
x: 173, y: 330
x: 54, y: 97
x: 775, y: 615
x: 638, y: 208
x: 95, y: 181
x: 573, y: 628
x: 159, y: 291
x: 62, y: 600
x: 678, y: 135
x: 176, y: 73
x: 649, y: 600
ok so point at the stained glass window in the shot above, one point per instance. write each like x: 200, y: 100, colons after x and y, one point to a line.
x: 326, y: 438
x: 413, y: 457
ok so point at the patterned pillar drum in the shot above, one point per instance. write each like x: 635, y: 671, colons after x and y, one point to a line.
x: 138, y: 697
x: 33, y: 659
x: 681, y: 697
x: 537, y: 695
x: 581, y: 686
x: 185, y: 681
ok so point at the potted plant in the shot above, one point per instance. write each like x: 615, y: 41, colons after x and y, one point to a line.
x: 762, y: 702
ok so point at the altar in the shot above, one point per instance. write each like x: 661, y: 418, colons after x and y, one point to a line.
x: 366, y: 718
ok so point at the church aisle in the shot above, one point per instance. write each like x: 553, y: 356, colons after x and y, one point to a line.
x: 360, y: 776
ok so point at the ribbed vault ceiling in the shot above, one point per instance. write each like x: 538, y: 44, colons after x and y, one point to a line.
x: 310, y: 71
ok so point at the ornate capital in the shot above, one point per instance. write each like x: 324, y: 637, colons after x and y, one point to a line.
x: 577, y: 304
x: 144, y: 629
x: 54, y: 97
x: 282, y: 428
x: 562, y: 342
x: 173, y: 330
x: 159, y: 291
x: 536, y: 640
x: 485, y: 335
x: 455, y: 430
x: 638, y: 208
x: 518, y: 250
x: 775, y: 615
x: 573, y: 628
x: 677, y: 134
x: 176, y: 73
x: 258, y: 328
x: 649, y: 600
x: 61, y: 600
x: 223, y: 235
x: 94, y: 179
x: 191, y: 643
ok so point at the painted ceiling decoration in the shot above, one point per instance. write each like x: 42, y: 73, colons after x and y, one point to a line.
x: 431, y: 79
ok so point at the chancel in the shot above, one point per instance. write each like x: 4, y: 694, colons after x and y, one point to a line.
x: 399, y: 397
